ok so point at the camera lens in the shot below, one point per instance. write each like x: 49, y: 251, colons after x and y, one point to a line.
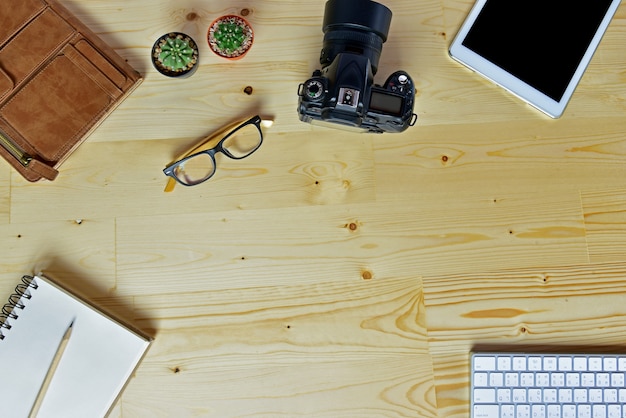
x: 356, y: 26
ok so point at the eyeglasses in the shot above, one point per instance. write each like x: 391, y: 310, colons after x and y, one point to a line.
x: 238, y: 140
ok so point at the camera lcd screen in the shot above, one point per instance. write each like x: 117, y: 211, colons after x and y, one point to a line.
x: 540, y: 42
x: 386, y: 103
x: 536, y: 49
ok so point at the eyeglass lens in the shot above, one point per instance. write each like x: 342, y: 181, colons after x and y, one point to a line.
x: 200, y: 167
x: 195, y: 170
x: 243, y: 142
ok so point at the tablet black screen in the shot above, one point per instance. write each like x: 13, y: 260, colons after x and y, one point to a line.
x: 540, y: 42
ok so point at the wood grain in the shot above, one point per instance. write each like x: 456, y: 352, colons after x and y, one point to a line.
x: 333, y: 274
x: 542, y: 309
x: 352, y: 340
x: 605, y: 222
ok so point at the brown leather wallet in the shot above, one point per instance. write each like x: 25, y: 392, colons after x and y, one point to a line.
x: 58, y: 82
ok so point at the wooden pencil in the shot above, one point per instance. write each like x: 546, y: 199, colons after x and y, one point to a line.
x: 50, y: 374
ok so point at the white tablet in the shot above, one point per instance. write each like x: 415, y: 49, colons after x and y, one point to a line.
x: 536, y: 49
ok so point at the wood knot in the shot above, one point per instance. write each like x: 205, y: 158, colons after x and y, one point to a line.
x: 191, y: 16
x: 366, y: 275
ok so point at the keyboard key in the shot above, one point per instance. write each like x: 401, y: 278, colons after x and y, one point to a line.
x: 617, y: 380
x: 565, y: 395
x: 542, y: 379
x: 484, y: 363
x: 557, y: 380
x: 580, y: 364
x: 610, y: 395
x: 603, y: 380
x: 587, y: 380
x: 584, y: 411
x: 535, y: 395
x: 549, y: 395
x: 549, y: 364
x: 548, y: 386
x: 580, y: 395
x: 595, y: 364
x: 504, y: 395
x: 554, y: 411
x: 508, y: 411
x: 595, y: 395
x: 484, y: 395
x: 519, y: 395
x: 522, y: 411
x: 614, y: 411
x: 519, y: 363
x: 496, y: 380
x: 610, y: 364
x: 572, y: 380
x: 481, y: 379
x: 486, y: 411
x: 511, y: 379
x: 568, y: 411
x: 538, y: 411
x: 504, y: 363
x: 565, y: 364
x: 535, y: 363
x: 527, y: 379
x: 598, y: 411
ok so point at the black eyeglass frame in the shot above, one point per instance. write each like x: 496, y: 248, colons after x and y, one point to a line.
x: 170, y: 169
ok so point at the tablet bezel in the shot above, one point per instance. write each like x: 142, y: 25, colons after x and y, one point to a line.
x: 514, y: 85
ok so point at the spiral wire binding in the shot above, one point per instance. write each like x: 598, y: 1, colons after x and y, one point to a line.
x: 22, y: 292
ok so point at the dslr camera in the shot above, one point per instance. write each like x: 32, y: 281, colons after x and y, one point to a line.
x: 343, y: 94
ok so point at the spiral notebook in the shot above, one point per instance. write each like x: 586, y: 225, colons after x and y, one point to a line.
x: 98, y: 360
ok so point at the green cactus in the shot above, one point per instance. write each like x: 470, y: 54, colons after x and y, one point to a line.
x: 230, y: 36
x: 177, y: 53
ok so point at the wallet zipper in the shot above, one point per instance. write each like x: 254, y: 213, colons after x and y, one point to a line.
x: 22, y: 156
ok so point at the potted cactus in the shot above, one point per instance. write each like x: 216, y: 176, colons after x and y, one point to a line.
x: 175, y: 54
x: 230, y: 36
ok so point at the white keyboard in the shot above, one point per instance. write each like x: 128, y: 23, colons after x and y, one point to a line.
x: 548, y: 386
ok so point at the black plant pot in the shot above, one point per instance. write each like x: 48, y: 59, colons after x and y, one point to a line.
x: 175, y: 54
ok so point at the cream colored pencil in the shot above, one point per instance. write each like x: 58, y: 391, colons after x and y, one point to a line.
x: 53, y: 366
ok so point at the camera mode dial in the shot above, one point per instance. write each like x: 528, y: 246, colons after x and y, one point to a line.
x: 313, y: 89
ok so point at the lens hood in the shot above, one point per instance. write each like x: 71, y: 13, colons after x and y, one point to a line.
x: 363, y: 15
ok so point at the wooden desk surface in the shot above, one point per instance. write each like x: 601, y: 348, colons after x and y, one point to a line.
x: 333, y: 274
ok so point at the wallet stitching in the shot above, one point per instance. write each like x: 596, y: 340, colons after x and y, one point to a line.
x: 22, y: 25
x: 6, y: 77
x: 54, y: 51
x: 71, y: 141
x: 86, y: 41
x: 78, y: 65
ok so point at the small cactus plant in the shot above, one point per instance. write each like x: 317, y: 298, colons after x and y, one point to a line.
x: 175, y: 55
x: 230, y: 36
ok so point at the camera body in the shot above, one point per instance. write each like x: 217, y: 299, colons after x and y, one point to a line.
x: 343, y: 93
